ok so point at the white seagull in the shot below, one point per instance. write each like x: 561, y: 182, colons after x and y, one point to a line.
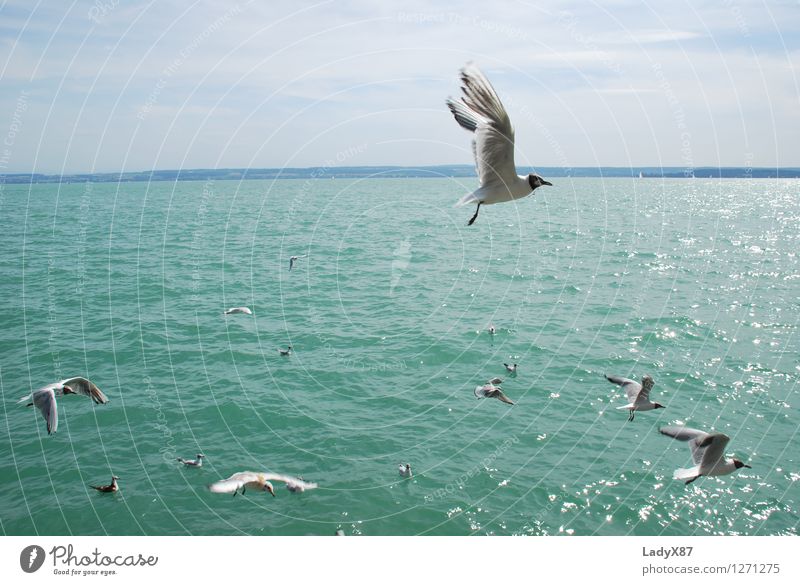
x: 193, y: 462
x: 294, y: 259
x: 405, y: 470
x: 235, y: 310
x: 708, y: 453
x: 492, y: 330
x: 259, y: 481
x: 287, y: 351
x: 511, y: 368
x: 638, y: 394
x: 480, y: 111
x: 490, y: 390
x: 45, y: 398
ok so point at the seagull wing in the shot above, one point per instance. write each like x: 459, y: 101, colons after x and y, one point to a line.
x: 481, y: 111
x: 632, y: 388
x: 233, y: 483
x: 502, y: 397
x: 86, y: 388
x: 698, y: 440
x: 709, y: 449
x: 45, y: 401
x: 290, y: 480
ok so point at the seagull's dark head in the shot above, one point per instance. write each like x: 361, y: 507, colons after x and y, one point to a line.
x: 268, y: 488
x: 536, y: 181
x: 739, y: 464
x: 68, y: 390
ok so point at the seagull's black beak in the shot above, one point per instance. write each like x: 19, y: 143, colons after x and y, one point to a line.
x: 747, y: 466
x: 548, y: 183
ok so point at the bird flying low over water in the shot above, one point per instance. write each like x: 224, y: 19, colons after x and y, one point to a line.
x: 638, y: 394
x: 259, y: 481
x: 489, y: 390
x: 481, y: 111
x: 45, y: 398
x: 708, y: 453
x: 235, y: 310
x: 112, y: 487
x: 294, y: 259
x: 193, y: 462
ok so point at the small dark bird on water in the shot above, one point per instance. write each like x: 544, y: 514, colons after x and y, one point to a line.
x: 112, y: 487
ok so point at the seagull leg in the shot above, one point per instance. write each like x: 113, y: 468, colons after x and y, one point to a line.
x: 474, y: 217
x: 630, y: 415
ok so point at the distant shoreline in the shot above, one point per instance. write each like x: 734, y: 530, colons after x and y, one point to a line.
x: 399, y: 172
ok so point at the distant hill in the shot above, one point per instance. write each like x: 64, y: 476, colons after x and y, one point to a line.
x: 398, y: 172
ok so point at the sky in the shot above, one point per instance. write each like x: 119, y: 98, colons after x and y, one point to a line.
x: 121, y: 85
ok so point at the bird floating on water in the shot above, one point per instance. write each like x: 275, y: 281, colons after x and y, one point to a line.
x: 638, y: 394
x: 511, y: 368
x: 193, y: 462
x: 708, y: 453
x: 405, y: 470
x: 112, y: 487
x: 259, y: 481
x: 45, y: 398
x: 235, y: 310
x: 492, y: 330
x: 287, y: 351
x: 481, y: 111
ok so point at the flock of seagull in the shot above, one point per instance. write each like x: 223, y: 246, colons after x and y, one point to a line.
x: 481, y: 112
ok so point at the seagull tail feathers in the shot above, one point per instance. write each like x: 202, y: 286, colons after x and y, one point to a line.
x: 467, y: 199
x: 685, y: 474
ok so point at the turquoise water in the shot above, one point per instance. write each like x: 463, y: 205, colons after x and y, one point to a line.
x: 696, y: 282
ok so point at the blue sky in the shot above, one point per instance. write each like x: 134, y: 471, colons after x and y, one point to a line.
x: 113, y: 85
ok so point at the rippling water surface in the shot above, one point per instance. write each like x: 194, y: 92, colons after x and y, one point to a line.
x: 696, y: 282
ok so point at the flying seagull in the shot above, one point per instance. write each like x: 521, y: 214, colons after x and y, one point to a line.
x: 45, y: 398
x: 489, y: 390
x: 480, y: 111
x: 259, y: 481
x: 638, y: 394
x: 294, y: 259
x: 708, y: 453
